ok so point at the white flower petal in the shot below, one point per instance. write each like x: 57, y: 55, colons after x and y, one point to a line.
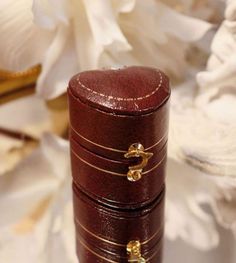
x: 55, y: 75
x: 55, y: 150
x: 23, y: 44
x: 230, y: 12
x: 223, y: 44
x: 144, y: 27
x: 28, y: 221
x: 123, y: 6
x: 43, y: 14
x: 27, y: 114
x: 221, y: 65
x: 104, y: 26
x: 184, y: 216
x: 47, y: 16
x: 218, y: 103
x: 183, y: 27
x: 217, y: 154
x: 87, y: 50
x: 34, y: 179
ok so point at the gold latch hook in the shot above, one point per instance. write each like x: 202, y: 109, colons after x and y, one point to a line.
x: 134, y: 251
x: 135, y: 171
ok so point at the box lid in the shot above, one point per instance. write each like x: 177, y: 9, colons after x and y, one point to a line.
x: 126, y: 91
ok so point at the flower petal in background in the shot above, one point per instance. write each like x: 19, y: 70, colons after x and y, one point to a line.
x: 26, y: 117
x: 75, y: 33
x: 221, y: 64
x: 208, y: 144
x: 23, y: 44
x: 47, y: 16
x: 185, y: 218
x: 32, y: 198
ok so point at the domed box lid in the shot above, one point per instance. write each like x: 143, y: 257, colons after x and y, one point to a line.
x: 126, y: 91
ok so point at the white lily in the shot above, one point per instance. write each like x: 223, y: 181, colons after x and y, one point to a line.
x: 70, y: 36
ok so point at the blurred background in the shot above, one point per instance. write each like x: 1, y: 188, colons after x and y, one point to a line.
x: 44, y: 43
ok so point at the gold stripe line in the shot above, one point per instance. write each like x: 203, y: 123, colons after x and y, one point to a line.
x: 155, y: 234
x: 109, y: 260
x: 95, y: 167
x: 120, y: 98
x: 114, y: 173
x: 112, y: 149
x: 111, y: 242
x: 154, y: 254
x: 155, y: 166
x: 158, y: 142
x: 98, y: 237
x: 93, y: 252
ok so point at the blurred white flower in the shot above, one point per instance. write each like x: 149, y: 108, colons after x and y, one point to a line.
x: 225, y: 206
x: 203, y: 9
x: 187, y: 190
x: 35, y: 198
x: 209, y: 145
x: 221, y: 68
x: 23, y: 117
x: 70, y: 36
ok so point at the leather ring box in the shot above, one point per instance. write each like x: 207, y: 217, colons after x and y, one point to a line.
x: 118, y: 137
x: 110, y: 112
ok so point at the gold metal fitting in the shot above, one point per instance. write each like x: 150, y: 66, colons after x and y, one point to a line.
x: 134, y: 251
x: 135, y: 171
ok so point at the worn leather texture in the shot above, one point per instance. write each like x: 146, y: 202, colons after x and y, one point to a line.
x: 109, y: 111
x: 110, y: 135
x: 92, y: 173
x: 88, y: 254
x: 108, y: 231
x: 126, y: 91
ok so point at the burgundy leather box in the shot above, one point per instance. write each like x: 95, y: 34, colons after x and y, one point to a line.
x: 119, y: 127
x: 118, y: 138
x: 105, y: 232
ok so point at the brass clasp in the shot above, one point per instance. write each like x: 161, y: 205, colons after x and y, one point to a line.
x: 134, y: 251
x: 135, y: 171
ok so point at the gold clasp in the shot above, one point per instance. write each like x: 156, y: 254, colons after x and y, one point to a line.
x: 135, y: 171
x: 134, y: 251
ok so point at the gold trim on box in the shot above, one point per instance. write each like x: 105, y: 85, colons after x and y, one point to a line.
x: 112, y: 242
x: 109, y: 260
x: 114, y: 173
x: 113, y: 149
x: 95, y: 253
